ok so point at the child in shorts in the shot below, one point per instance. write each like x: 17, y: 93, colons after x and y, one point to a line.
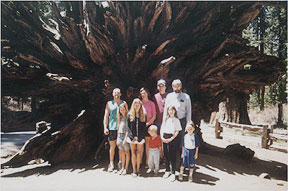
x: 190, y: 147
x: 154, y: 150
x: 123, y: 146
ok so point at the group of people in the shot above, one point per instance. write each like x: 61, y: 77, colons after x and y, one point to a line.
x: 163, y: 126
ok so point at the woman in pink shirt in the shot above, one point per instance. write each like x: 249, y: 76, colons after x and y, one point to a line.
x: 150, y: 109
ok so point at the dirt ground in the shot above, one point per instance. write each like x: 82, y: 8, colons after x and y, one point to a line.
x: 213, y: 172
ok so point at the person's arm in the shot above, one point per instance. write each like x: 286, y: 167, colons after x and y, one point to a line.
x: 151, y: 121
x: 105, y: 120
x: 188, y: 109
x: 174, y: 136
x: 196, y: 153
x: 125, y: 138
x: 117, y: 125
x: 161, y: 131
x: 197, y: 145
x: 159, y: 142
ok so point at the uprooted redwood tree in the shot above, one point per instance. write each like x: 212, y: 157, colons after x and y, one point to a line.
x: 66, y: 59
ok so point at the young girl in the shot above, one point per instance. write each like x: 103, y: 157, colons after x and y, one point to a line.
x: 154, y: 150
x: 169, y: 131
x: 136, y: 135
x: 190, y: 147
x: 122, y: 127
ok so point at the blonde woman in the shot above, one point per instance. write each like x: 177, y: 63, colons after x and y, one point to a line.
x: 136, y: 135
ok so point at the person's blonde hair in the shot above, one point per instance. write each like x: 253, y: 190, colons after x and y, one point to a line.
x: 119, y: 114
x: 132, y: 112
x: 153, y: 128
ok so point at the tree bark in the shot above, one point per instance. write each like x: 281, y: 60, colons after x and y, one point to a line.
x: 262, y: 100
x: 280, y: 115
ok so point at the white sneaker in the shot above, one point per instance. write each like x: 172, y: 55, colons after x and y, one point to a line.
x: 190, y: 179
x: 134, y: 175
x: 172, y: 178
x: 120, y: 171
x: 149, y: 171
x: 166, y: 175
x: 124, y: 172
x: 110, y: 167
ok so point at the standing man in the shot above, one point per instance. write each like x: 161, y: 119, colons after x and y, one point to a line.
x: 182, y: 102
x: 159, y: 100
x: 110, y: 123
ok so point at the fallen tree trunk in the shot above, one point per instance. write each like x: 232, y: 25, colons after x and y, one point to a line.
x: 67, y: 57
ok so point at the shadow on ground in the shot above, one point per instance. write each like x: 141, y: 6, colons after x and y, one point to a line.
x: 211, y: 160
x: 214, y: 158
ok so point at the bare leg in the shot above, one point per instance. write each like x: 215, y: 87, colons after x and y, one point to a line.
x: 191, y: 171
x: 121, y: 157
x: 190, y: 178
x: 181, y: 173
x: 147, y: 143
x: 134, y: 158
x: 140, y: 149
x: 181, y: 169
x: 112, y: 150
x: 127, y: 159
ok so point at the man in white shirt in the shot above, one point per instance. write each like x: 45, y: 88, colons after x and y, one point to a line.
x: 182, y: 102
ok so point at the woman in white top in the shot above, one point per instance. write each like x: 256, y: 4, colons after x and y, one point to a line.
x: 169, y: 131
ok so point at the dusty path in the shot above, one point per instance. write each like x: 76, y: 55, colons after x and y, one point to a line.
x: 213, y: 173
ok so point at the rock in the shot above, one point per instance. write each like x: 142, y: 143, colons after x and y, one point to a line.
x: 237, y: 151
x: 265, y: 175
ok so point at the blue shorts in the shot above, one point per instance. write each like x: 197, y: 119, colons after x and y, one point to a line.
x: 120, y: 140
x: 188, y: 160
